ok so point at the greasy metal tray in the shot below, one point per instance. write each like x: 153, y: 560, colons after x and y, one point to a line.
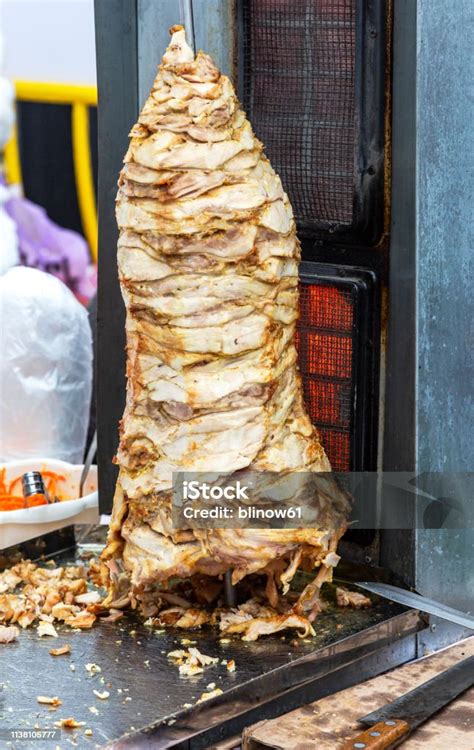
x: 146, y: 707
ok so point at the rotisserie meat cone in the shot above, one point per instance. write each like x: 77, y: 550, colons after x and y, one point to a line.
x: 208, y: 264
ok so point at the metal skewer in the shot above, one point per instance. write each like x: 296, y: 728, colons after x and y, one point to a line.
x: 87, y: 465
x: 186, y: 14
x: 229, y: 590
x: 86, y: 530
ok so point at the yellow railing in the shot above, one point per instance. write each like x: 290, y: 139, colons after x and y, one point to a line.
x: 80, y: 98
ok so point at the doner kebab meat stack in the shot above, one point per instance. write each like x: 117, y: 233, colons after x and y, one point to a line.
x: 208, y: 265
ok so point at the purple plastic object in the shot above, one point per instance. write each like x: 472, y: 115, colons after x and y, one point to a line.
x: 48, y: 247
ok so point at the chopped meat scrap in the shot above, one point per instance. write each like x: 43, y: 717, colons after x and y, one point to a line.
x: 50, y: 701
x: 7, y: 635
x: 113, y: 616
x: 355, y: 599
x: 8, y: 581
x: 92, y: 668
x: 251, y: 628
x: 69, y: 723
x: 81, y: 620
x: 178, y: 654
x: 253, y: 619
x: 187, y: 669
x: 46, y: 628
x: 192, y: 618
x: 211, y: 694
x: 66, y: 649
x: 208, y: 265
x: 102, y: 695
x: 192, y: 661
x: 90, y: 597
x: 203, y: 659
x: 34, y: 593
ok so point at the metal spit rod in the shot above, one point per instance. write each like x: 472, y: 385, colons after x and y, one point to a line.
x: 186, y: 15
x: 88, y: 463
x: 229, y: 590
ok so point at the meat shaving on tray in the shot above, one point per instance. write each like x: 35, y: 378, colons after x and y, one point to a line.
x: 191, y: 661
x: 7, y: 635
x: 208, y: 265
x: 30, y: 593
x: 354, y: 599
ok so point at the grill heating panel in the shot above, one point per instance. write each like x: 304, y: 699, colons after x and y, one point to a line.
x: 335, y: 341
x: 325, y: 350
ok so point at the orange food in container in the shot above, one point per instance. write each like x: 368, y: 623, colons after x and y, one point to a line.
x: 26, y: 518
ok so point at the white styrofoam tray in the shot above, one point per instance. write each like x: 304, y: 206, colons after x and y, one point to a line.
x: 20, y: 525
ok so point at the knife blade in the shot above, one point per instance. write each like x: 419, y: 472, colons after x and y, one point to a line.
x: 410, y: 599
x: 391, y: 724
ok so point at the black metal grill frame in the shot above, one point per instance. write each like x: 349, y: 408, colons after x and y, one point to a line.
x: 46, y: 156
x: 369, y: 82
x: 363, y: 287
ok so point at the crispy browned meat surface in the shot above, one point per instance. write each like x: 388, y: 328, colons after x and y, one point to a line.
x: 208, y: 264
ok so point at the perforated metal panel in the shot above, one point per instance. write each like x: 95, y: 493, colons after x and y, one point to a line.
x: 312, y: 86
x: 335, y: 340
x: 325, y: 351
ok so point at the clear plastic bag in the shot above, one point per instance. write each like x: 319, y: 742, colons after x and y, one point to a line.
x: 9, y: 253
x: 45, y: 368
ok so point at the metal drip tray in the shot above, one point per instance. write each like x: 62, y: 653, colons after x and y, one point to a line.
x: 150, y: 705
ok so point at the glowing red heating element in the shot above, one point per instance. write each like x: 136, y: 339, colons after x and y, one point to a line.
x: 324, y: 340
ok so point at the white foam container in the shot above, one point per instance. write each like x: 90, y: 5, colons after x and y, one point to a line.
x: 21, y: 525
